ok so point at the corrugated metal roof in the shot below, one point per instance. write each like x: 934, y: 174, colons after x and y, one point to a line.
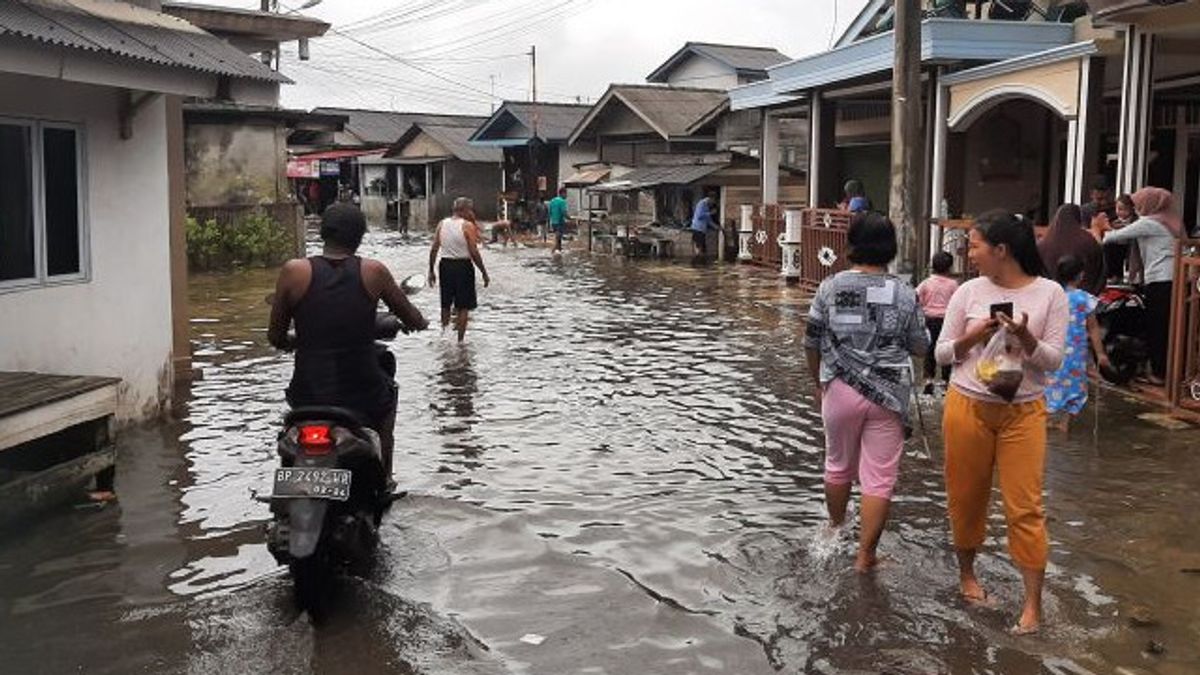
x: 672, y: 110
x: 739, y: 58
x: 455, y: 140
x: 650, y: 176
x: 554, y: 122
x: 385, y: 127
x: 587, y: 177
x: 129, y: 31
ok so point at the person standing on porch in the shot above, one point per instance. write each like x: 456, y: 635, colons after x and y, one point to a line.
x: 702, y: 222
x: 1068, y: 236
x: 1155, y: 231
x: 558, y: 214
x: 457, y: 241
x: 864, y: 327
x: 985, y: 433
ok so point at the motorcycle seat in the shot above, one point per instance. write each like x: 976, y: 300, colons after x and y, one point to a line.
x: 341, y: 416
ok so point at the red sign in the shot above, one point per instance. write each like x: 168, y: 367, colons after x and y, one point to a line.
x: 304, y: 168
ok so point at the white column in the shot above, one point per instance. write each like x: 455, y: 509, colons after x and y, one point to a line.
x: 789, y: 241
x: 769, y: 158
x: 1071, y: 182
x: 1077, y: 135
x: 941, y: 136
x: 814, y: 149
x: 745, y: 231
x: 1136, y: 94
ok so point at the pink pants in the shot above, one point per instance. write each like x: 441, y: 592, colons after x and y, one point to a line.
x: 863, y: 441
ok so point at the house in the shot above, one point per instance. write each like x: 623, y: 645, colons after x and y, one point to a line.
x: 350, y: 159
x: 236, y: 154
x: 435, y: 163
x: 716, y: 66
x: 666, y: 147
x: 994, y: 150
x: 93, y: 260
x: 537, y: 160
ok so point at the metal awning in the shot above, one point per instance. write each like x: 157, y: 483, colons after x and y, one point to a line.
x: 587, y: 177
x: 126, y: 31
x: 942, y: 41
x: 650, y: 176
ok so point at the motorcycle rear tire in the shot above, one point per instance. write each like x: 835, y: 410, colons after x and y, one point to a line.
x: 310, y: 580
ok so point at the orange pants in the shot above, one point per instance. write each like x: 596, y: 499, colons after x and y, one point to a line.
x: 1010, y: 439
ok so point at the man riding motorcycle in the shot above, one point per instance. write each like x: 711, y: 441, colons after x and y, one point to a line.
x: 333, y: 299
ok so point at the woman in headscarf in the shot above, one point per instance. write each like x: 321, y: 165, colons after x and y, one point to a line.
x: 1067, y: 236
x: 1155, y: 231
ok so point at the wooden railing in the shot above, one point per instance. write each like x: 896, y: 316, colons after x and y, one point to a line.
x: 768, y: 222
x: 823, y: 244
x: 1183, y: 356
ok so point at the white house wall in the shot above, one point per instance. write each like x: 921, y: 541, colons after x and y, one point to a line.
x: 118, y: 323
x: 703, y: 73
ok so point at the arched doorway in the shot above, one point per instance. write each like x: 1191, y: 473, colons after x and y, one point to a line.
x: 1007, y: 151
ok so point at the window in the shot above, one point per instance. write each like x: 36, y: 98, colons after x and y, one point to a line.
x: 43, y: 238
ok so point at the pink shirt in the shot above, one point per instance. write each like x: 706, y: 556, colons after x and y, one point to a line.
x: 1049, y: 314
x: 934, y: 294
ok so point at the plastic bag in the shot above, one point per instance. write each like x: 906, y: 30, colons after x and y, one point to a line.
x: 1001, y: 366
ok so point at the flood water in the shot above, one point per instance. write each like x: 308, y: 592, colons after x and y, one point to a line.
x: 622, y: 461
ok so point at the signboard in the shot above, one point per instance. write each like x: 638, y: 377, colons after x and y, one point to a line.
x: 303, y: 168
x: 329, y: 167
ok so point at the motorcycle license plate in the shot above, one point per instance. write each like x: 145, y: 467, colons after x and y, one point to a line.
x: 315, y: 483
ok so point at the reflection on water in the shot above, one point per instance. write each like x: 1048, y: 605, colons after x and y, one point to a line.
x: 620, y: 460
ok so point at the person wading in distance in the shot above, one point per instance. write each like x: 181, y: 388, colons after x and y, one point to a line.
x: 457, y: 240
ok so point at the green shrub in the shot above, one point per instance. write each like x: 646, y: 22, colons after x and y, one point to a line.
x: 251, y: 239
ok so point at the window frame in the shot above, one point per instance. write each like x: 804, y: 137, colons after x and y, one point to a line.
x: 41, y: 277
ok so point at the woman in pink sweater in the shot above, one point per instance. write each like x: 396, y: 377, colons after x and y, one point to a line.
x: 986, y: 433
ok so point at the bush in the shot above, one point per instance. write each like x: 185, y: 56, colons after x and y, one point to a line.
x: 250, y: 239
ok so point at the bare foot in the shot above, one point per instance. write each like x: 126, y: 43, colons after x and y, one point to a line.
x: 102, y: 496
x: 1030, y: 623
x: 973, y: 593
x: 865, y: 562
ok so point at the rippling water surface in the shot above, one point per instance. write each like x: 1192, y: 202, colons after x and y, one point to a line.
x: 621, y: 460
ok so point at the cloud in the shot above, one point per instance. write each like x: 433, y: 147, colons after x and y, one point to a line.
x: 451, y: 56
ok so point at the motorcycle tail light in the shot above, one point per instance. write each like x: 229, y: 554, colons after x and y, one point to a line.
x: 315, y: 439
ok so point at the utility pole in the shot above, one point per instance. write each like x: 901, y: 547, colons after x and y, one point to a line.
x: 906, y: 116
x: 533, y: 73
x: 493, y: 80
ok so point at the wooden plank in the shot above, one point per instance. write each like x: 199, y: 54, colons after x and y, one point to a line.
x: 56, y: 485
x: 58, y: 415
x: 21, y: 391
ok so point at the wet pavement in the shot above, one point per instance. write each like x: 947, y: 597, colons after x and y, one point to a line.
x: 622, y: 460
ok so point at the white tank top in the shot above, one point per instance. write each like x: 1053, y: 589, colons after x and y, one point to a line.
x: 453, y: 238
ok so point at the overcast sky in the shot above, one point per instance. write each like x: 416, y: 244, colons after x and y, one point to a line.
x: 442, y: 55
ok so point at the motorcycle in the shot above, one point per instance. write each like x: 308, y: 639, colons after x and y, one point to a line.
x: 330, y: 490
x: 1121, y: 314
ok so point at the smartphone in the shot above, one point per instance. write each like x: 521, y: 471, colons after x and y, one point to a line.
x: 1005, y: 308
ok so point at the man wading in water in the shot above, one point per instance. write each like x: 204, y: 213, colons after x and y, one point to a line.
x: 457, y: 238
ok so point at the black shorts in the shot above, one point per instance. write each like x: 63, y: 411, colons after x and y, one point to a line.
x: 700, y: 239
x: 457, y: 281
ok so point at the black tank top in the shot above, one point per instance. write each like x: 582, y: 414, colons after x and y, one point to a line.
x: 335, y: 341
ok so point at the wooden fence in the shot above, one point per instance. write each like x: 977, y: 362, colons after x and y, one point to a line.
x: 1183, y: 362
x: 823, y: 244
x: 822, y: 240
x: 768, y: 222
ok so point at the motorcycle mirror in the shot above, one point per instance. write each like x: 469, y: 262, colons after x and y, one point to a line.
x: 413, y: 283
